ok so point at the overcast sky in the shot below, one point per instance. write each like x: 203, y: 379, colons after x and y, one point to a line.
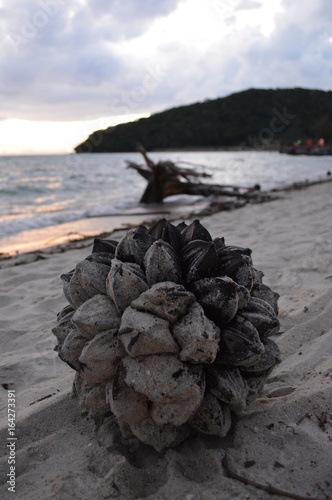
x: 68, y: 67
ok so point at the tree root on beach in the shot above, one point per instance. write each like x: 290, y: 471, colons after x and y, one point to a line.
x: 164, y: 179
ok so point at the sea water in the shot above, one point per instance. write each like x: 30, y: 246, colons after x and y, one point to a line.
x: 42, y: 191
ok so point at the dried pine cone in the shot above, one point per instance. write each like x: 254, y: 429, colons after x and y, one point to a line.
x: 168, y: 330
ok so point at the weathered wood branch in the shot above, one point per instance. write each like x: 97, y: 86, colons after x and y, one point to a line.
x: 165, y: 179
x: 142, y: 171
x: 265, y: 487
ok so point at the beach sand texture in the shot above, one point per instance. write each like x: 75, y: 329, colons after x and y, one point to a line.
x: 283, y: 439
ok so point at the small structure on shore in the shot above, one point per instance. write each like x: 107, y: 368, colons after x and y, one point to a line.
x: 308, y: 147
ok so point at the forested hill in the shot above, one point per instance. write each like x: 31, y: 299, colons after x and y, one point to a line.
x: 251, y: 118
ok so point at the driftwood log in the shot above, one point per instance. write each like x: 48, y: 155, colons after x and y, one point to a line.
x: 167, y: 179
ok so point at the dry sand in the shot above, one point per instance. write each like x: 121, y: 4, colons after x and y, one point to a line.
x: 284, y: 439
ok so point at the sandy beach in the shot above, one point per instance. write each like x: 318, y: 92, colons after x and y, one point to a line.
x: 283, y: 441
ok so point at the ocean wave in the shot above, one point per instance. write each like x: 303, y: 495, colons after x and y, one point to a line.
x: 12, y: 225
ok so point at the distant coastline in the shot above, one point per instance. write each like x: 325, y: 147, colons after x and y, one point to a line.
x: 255, y: 119
x: 193, y: 149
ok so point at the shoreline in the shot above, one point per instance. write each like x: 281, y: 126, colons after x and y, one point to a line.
x: 282, y: 439
x: 175, y: 150
x: 52, y: 239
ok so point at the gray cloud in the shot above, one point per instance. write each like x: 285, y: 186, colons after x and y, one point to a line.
x: 62, y: 61
x: 298, y: 53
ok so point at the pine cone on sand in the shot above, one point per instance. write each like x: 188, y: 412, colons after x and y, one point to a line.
x: 169, y: 331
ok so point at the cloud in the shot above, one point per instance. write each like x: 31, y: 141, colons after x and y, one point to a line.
x: 61, y: 59
x: 85, y: 59
x: 298, y: 52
